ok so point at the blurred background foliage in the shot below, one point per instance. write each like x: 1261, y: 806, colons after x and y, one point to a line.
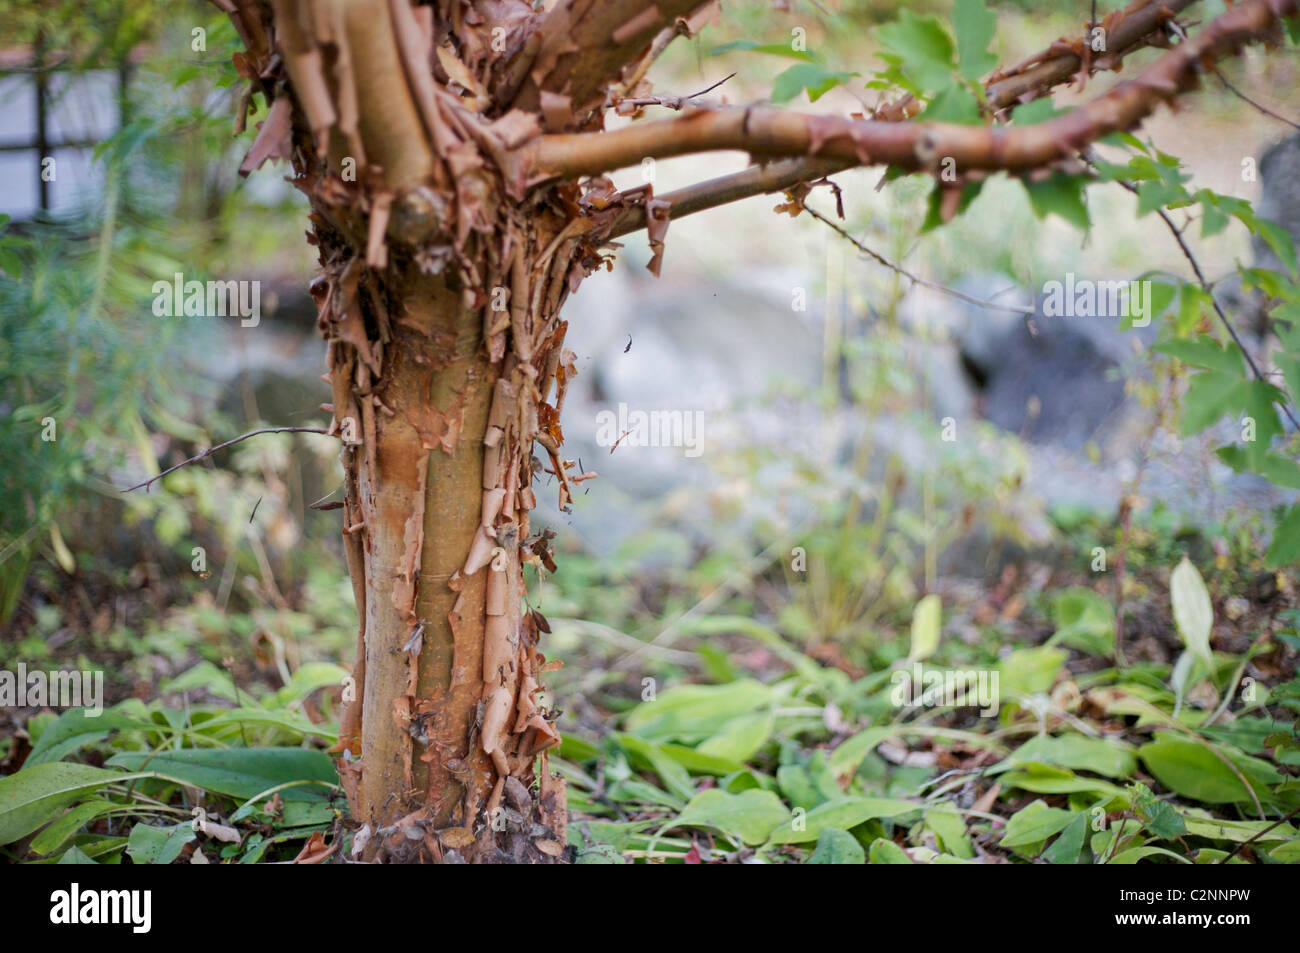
x: 220, y: 586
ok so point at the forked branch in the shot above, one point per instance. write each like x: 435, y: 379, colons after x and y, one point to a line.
x: 769, y: 132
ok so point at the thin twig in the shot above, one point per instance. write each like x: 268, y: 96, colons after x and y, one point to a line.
x: 1246, y: 99
x: 1254, y: 837
x: 916, y: 279
x: 1205, y: 286
x: 672, y: 102
x: 221, y: 446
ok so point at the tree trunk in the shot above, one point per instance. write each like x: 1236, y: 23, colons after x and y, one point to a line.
x: 439, y: 297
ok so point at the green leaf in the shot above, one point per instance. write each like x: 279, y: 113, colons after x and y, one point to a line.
x: 1161, y: 820
x: 925, y: 628
x: 810, y: 76
x: 1210, y: 395
x: 775, y: 49
x: 845, y: 759
x: 1205, y: 352
x: 1040, y: 110
x: 670, y: 771
x: 1193, y: 613
x: 975, y: 26
x: 239, y: 772
x: 1029, y: 671
x: 955, y: 104
x: 158, y: 845
x: 691, y: 713
x: 1194, y: 771
x: 924, y: 50
x: 845, y: 813
x: 1034, y: 823
x: 950, y: 828
x: 75, y: 855
x: 887, y: 852
x: 76, y: 728
x: 1061, y: 195
x: 740, y: 738
x: 1285, y: 548
x: 36, y: 795
x: 57, y: 833
x: 749, y: 817
x: 835, y: 846
x: 1066, y: 848
x: 1084, y: 620
x: 1106, y: 756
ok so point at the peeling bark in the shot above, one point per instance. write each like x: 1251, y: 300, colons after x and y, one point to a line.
x: 450, y: 230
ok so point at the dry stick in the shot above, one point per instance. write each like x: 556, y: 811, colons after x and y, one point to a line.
x: 222, y: 446
x: 1246, y: 99
x: 916, y: 279
x: 1254, y: 837
x: 672, y: 102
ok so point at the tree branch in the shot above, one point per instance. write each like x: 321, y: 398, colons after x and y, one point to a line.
x: 585, y: 44
x: 221, y: 446
x: 1127, y: 31
x: 768, y: 131
x: 1036, y: 76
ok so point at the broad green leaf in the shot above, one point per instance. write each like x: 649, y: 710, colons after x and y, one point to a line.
x: 259, y: 718
x: 1204, y: 352
x: 75, y: 855
x: 35, y: 796
x: 75, y: 729
x: 740, y: 738
x: 1084, y: 620
x: 670, y: 771
x: 1106, y: 756
x: 158, y: 845
x: 1044, y: 779
x: 813, y: 77
x: 974, y: 25
x: 1029, y: 671
x: 836, y: 846
x: 925, y: 628
x: 797, y: 786
x: 1061, y: 195
x: 1201, y: 824
x: 749, y: 817
x: 923, y: 47
x: 1193, y: 613
x: 1192, y: 770
x: 1209, y: 396
x: 1285, y: 548
x: 845, y: 813
x: 57, y: 833
x: 1066, y: 848
x: 691, y: 713
x: 1288, y: 853
x: 239, y: 772
x: 845, y: 759
x: 954, y: 104
x: 950, y: 828
x: 1034, y: 823
x: 887, y: 852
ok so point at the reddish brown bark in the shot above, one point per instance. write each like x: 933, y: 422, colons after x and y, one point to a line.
x: 450, y: 231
